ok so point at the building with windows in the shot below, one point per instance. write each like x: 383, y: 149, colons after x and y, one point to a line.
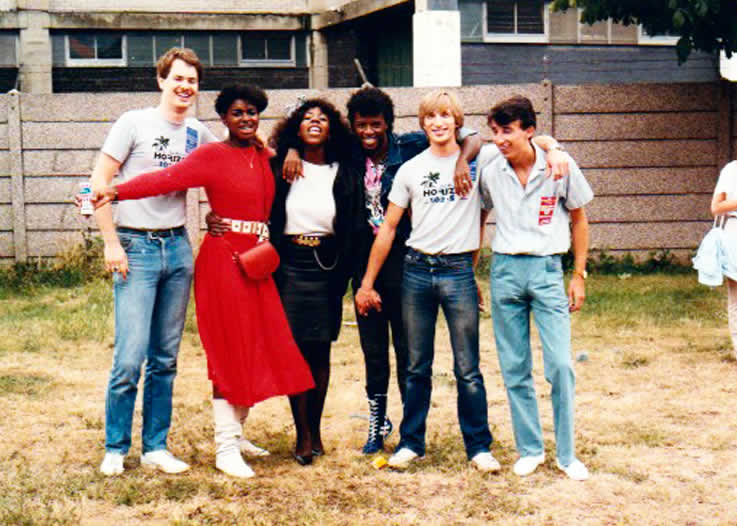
x: 96, y: 45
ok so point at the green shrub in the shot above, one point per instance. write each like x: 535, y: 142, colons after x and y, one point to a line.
x: 79, y: 264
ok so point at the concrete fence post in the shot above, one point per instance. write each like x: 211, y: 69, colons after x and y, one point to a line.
x: 547, y: 112
x: 17, y: 192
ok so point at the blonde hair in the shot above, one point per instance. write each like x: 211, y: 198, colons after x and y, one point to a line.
x: 163, y: 66
x: 440, y: 100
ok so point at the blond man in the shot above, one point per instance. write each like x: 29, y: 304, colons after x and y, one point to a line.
x: 438, y: 273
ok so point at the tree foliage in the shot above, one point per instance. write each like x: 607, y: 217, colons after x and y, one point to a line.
x: 704, y: 25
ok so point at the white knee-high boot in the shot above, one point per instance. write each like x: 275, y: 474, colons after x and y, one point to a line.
x: 227, y: 437
x: 247, y: 447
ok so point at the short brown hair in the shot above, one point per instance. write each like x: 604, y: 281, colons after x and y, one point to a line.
x: 515, y: 108
x: 441, y: 100
x: 163, y: 66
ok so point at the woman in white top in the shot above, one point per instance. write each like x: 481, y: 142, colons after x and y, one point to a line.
x: 724, y: 203
x: 313, y: 221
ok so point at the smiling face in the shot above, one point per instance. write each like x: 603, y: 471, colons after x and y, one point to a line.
x: 242, y: 120
x: 314, y: 129
x: 179, y: 89
x: 440, y: 126
x: 511, y: 138
x: 371, y: 130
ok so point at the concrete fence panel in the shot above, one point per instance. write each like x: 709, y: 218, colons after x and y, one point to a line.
x: 652, y: 153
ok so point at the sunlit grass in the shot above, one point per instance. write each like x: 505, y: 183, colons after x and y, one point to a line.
x: 654, y: 424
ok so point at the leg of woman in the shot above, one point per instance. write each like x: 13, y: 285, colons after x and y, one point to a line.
x: 318, y: 357
x: 732, y: 313
x: 248, y: 447
x: 303, y: 448
x: 228, y: 432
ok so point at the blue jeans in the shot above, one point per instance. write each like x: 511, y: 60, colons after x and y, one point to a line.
x: 150, y: 311
x: 521, y: 285
x: 445, y: 281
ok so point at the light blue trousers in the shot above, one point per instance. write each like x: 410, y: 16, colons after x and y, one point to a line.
x: 521, y: 285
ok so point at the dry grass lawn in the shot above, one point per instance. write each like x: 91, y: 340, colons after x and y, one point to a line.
x: 655, y: 424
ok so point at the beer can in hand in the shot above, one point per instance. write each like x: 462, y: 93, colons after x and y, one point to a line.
x: 85, y: 195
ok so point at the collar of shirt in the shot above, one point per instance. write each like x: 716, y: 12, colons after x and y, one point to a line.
x: 538, y: 169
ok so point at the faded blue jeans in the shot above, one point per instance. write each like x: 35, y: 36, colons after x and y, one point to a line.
x: 445, y: 281
x: 150, y: 311
x: 522, y: 285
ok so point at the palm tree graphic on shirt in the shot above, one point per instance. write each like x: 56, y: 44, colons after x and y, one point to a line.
x: 431, y: 179
x: 161, y: 143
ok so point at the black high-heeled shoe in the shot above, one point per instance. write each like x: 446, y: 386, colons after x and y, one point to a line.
x: 302, y: 460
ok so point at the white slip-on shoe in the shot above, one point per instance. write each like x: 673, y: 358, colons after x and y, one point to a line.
x: 575, y: 470
x: 528, y: 464
x: 252, y: 450
x: 402, y: 458
x: 164, y: 461
x: 112, y: 464
x: 485, y: 461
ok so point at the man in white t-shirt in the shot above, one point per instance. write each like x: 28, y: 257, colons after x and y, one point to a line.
x: 438, y: 272
x: 147, y: 249
x: 536, y: 219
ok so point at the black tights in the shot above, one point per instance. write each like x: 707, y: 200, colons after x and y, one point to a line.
x: 307, y: 407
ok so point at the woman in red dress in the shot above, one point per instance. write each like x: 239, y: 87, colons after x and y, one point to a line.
x: 251, y: 354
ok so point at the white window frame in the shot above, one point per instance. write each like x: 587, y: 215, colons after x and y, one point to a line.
x: 269, y: 63
x: 96, y: 62
x: 518, y: 38
x: 643, y: 39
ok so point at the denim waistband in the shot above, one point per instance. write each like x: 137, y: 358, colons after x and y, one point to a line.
x: 437, y: 260
x: 164, y: 232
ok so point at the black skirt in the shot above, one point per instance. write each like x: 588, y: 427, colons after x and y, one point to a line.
x: 306, y: 285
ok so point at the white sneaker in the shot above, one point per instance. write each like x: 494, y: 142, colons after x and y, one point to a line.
x: 485, y: 461
x: 527, y: 465
x: 251, y: 449
x: 231, y: 463
x: 402, y: 458
x: 112, y: 464
x: 164, y: 461
x: 575, y: 470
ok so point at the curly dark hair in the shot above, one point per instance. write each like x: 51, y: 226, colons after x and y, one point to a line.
x: 370, y: 101
x: 286, y: 132
x: 245, y: 92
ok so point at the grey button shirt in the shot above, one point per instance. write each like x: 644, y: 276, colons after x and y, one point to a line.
x: 533, y: 219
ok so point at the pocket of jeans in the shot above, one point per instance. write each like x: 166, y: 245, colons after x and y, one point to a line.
x: 554, y: 270
x: 497, y: 266
x: 460, y: 264
x: 125, y: 241
x: 132, y: 244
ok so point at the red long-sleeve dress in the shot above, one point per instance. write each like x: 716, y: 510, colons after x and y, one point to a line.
x: 251, y: 354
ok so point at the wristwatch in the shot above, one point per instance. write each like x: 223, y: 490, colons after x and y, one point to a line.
x: 583, y: 274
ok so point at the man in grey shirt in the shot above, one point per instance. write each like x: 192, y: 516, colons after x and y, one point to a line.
x: 532, y: 232
x: 151, y: 258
